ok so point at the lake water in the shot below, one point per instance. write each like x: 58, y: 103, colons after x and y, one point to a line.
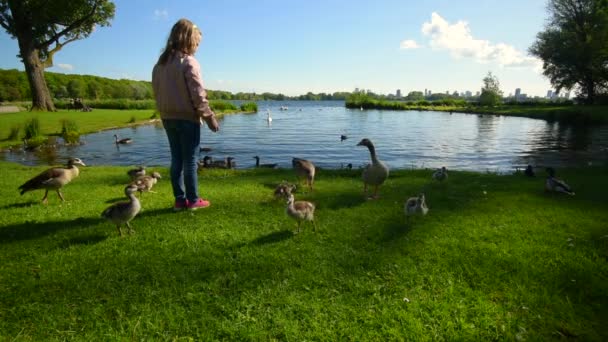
x: 312, y: 130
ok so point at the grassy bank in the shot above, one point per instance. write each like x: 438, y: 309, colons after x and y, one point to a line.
x: 552, y: 112
x: 495, y: 259
x: 89, y: 122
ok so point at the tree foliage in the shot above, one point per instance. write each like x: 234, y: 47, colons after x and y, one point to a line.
x: 574, y: 46
x: 491, y: 95
x: 43, y: 27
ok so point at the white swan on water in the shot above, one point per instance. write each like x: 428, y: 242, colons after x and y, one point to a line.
x: 268, y: 117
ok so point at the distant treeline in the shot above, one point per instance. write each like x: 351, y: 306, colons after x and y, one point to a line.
x: 15, y: 87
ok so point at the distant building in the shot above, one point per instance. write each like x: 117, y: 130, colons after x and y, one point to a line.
x: 549, y: 93
x: 477, y: 93
x: 425, y: 93
x: 468, y: 93
x: 517, y: 92
x: 398, y: 93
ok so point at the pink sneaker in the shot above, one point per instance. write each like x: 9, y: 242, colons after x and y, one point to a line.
x: 180, y: 205
x: 200, y: 203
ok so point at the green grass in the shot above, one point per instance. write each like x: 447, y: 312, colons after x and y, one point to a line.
x: 510, y: 263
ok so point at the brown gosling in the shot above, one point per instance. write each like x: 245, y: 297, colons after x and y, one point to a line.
x: 415, y: 206
x: 306, y: 169
x: 53, y: 179
x: 375, y: 173
x: 441, y: 174
x: 122, y: 212
x: 301, y: 211
x: 145, y: 183
x: 283, y: 190
x: 137, y: 172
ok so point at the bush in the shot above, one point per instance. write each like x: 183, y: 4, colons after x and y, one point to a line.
x: 222, y: 106
x: 69, y: 131
x: 133, y: 119
x: 249, y: 107
x: 14, y: 133
x: 32, y: 128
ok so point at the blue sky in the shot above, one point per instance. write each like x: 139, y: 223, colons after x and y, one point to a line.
x: 297, y: 46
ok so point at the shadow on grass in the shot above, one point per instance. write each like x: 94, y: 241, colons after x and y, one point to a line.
x: 82, y: 240
x: 273, y: 237
x: 20, y: 205
x: 33, y: 230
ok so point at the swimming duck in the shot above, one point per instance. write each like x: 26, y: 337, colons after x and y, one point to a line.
x: 343, y: 137
x: 415, y: 206
x: 375, y: 173
x: 269, y: 166
x: 555, y: 184
x: 122, y: 212
x: 304, y: 168
x: 122, y: 141
x: 53, y: 179
x: 145, y: 183
x: 440, y: 174
x: 301, y: 211
x: 137, y: 172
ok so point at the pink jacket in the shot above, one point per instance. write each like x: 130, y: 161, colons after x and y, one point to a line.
x: 179, y: 91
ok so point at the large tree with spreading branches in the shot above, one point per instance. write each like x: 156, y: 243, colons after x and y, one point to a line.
x: 574, y: 46
x: 43, y: 27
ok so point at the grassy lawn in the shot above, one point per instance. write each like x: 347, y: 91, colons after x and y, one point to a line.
x: 495, y: 259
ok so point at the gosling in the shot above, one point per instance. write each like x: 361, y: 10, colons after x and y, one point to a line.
x: 284, y: 189
x: 123, y: 212
x: 415, y: 206
x: 145, y: 183
x: 137, y: 172
x: 301, y: 211
x: 441, y: 174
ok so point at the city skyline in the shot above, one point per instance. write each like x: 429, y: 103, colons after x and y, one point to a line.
x: 316, y: 46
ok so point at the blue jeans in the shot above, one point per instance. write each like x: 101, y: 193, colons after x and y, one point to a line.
x: 184, y: 139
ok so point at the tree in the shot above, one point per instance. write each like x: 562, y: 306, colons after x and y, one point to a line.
x: 573, y: 46
x: 491, y: 95
x: 43, y: 27
x: 414, y: 96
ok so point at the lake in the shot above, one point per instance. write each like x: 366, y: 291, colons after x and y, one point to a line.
x: 312, y: 130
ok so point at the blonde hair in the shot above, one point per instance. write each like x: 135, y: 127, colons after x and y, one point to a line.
x: 184, y: 37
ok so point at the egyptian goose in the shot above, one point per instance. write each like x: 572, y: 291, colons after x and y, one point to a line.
x: 53, y: 179
x: 555, y: 184
x: 374, y: 174
x: 122, y: 212
x: 301, y: 211
x: 304, y: 168
x: 145, y: 183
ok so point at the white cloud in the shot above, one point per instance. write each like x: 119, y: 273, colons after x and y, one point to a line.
x: 458, y: 40
x: 161, y: 14
x: 68, y: 67
x: 409, y: 44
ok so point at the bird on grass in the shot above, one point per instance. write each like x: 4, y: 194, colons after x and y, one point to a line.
x: 301, y: 211
x: 415, y: 206
x: 554, y: 184
x: 122, y: 141
x: 441, y: 174
x: 374, y: 174
x: 529, y: 171
x: 145, y: 183
x: 227, y: 163
x: 53, y: 179
x: 304, y: 168
x: 137, y: 172
x: 122, y: 212
x: 268, y: 166
x: 284, y: 189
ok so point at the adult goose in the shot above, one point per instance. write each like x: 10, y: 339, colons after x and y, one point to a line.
x: 374, y: 174
x: 555, y: 184
x: 53, y: 179
x: 122, y: 212
x: 122, y: 141
x: 137, y: 172
x: 269, y: 166
x: 304, y: 168
x: 301, y: 211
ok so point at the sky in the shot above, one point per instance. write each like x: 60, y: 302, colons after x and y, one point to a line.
x: 296, y: 46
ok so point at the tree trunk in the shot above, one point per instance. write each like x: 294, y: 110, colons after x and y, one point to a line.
x: 41, y: 97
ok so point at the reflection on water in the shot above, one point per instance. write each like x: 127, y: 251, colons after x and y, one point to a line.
x: 313, y: 130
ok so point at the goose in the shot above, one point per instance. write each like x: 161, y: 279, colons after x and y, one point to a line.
x: 375, y: 173
x: 304, y: 168
x: 122, y: 141
x: 145, y: 183
x: 284, y: 189
x: 269, y: 166
x: 529, y: 171
x: 205, y: 149
x: 415, y: 206
x: 555, y: 184
x: 301, y: 211
x: 53, y: 179
x: 204, y: 163
x: 440, y: 174
x: 137, y: 172
x: 208, y: 162
x: 122, y: 212
x: 343, y: 137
